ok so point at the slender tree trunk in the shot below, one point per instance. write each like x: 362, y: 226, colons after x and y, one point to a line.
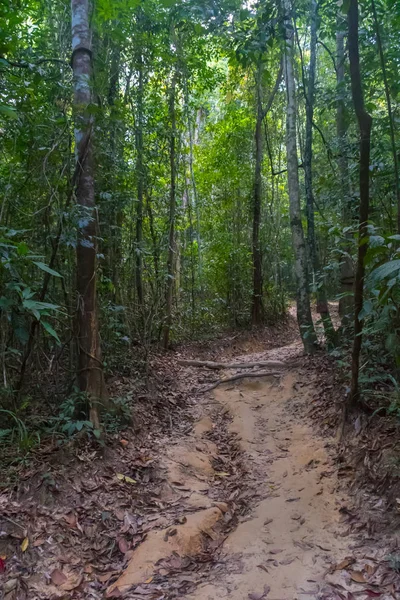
x: 346, y: 302
x: 365, y: 125
x: 304, y: 318
x: 90, y: 367
x: 390, y: 113
x: 172, y: 214
x: 257, y: 309
x: 322, y: 303
x: 140, y: 180
x: 113, y: 246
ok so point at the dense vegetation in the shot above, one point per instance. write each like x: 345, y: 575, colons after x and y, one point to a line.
x: 174, y: 168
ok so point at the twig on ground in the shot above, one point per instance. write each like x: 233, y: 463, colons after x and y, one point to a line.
x: 219, y: 365
x: 242, y: 376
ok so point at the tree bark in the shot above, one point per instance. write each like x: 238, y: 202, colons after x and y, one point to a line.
x: 365, y: 125
x: 257, y: 308
x: 140, y: 180
x: 322, y: 303
x: 390, y: 112
x: 90, y: 367
x: 172, y: 214
x: 346, y: 302
x: 304, y: 318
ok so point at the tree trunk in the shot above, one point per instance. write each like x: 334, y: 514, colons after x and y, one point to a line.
x: 390, y: 113
x: 90, y: 367
x: 322, y: 303
x: 365, y: 125
x: 304, y: 318
x: 140, y: 186
x: 346, y: 302
x: 172, y: 212
x: 257, y: 308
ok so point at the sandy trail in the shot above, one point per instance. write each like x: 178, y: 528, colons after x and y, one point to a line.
x: 294, y: 534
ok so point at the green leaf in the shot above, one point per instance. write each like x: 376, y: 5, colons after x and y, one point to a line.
x: 51, y: 331
x: 37, y: 307
x: 22, y: 249
x: 9, y: 111
x: 385, y: 270
x: 366, y: 310
x: 46, y: 268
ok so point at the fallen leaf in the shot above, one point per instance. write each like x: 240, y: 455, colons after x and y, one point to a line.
x: 125, y: 478
x: 275, y: 551
x: 10, y: 585
x: 346, y: 562
x: 38, y: 542
x: 2, y: 565
x: 25, y: 544
x: 149, y: 580
x: 287, y: 561
x: 357, y: 576
x: 123, y: 545
x: 263, y: 567
x: 124, y: 443
x: 58, y: 577
x: 373, y: 594
x: 72, y: 583
x: 107, y: 576
x: 259, y: 596
x: 370, y: 570
x: 71, y: 519
x: 114, y: 593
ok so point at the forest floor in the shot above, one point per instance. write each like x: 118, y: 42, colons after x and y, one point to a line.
x: 243, y: 492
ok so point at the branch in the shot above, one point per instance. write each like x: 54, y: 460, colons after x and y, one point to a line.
x: 273, y: 93
x: 25, y: 65
x: 241, y: 376
x: 217, y: 365
x: 329, y: 52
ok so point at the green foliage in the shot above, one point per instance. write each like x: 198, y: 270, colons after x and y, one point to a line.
x: 71, y: 419
x: 213, y: 49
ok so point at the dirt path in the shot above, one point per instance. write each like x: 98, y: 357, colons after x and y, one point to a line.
x: 291, y: 539
x: 238, y: 498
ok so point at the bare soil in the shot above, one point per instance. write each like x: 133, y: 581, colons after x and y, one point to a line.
x: 239, y: 493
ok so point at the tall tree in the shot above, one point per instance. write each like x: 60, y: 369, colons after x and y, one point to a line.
x: 390, y: 113
x: 172, y: 213
x: 90, y: 366
x: 364, y: 125
x: 346, y: 302
x: 304, y: 318
x: 139, y: 179
x: 322, y: 302
x: 257, y: 308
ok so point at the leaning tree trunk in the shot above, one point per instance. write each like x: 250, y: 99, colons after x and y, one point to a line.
x: 346, y: 302
x: 322, y: 303
x: 304, y: 318
x: 365, y: 125
x: 257, y: 308
x: 90, y: 367
x: 172, y: 214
